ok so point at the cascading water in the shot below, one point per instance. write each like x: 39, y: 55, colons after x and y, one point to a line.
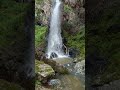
x: 55, y: 44
x: 55, y: 50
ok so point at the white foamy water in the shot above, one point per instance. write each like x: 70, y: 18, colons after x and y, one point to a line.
x: 55, y: 44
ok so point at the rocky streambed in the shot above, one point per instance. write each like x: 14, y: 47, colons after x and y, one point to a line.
x: 60, y: 74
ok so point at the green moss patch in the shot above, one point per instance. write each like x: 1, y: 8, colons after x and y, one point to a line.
x: 40, y: 35
x: 76, y: 41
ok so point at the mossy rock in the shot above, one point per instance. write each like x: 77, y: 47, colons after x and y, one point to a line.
x: 58, y: 67
x: 5, y: 85
x: 43, y: 70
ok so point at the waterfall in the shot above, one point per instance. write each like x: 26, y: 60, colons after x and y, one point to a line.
x: 55, y: 44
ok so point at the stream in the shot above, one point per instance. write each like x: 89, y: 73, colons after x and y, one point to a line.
x: 74, y: 80
x: 71, y: 81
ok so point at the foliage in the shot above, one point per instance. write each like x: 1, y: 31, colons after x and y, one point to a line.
x: 77, y: 41
x: 67, y: 8
x: 37, y: 64
x: 40, y: 32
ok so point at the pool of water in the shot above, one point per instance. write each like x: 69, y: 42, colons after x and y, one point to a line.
x: 70, y: 81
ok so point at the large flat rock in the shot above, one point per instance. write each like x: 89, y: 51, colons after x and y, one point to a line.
x: 63, y: 61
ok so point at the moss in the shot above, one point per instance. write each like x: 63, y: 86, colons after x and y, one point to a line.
x: 38, y: 1
x: 40, y: 32
x: 46, y: 69
x: 37, y: 83
x: 77, y: 41
x: 67, y: 9
x: 37, y: 64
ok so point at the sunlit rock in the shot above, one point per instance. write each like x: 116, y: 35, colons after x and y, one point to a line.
x: 43, y: 71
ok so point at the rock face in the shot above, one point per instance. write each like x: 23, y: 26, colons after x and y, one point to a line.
x: 73, y: 15
x: 73, y: 52
x: 42, y: 11
x: 72, y: 21
x: 39, y: 52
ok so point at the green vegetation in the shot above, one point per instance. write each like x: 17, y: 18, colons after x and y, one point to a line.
x: 37, y: 64
x: 72, y: 32
x: 67, y: 8
x: 40, y: 32
x: 77, y: 41
x: 38, y: 1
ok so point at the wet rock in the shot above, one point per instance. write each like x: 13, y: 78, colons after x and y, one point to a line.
x: 75, y: 60
x: 73, y: 52
x: 54, y: 82
x: 59, y: 68
x: 80, y: 67
x: 78, y: 59
x: 40, y: 52
x: 53, y: 55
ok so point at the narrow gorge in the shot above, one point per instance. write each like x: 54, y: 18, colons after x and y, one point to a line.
x: 59, y: 54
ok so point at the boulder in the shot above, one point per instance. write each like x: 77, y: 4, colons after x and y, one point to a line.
x: 57, y: 66
x: 80, y: 67
x: 73, y: 52
x: 43, y: 71
x: 54, y: 82
x: 53, y: 55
